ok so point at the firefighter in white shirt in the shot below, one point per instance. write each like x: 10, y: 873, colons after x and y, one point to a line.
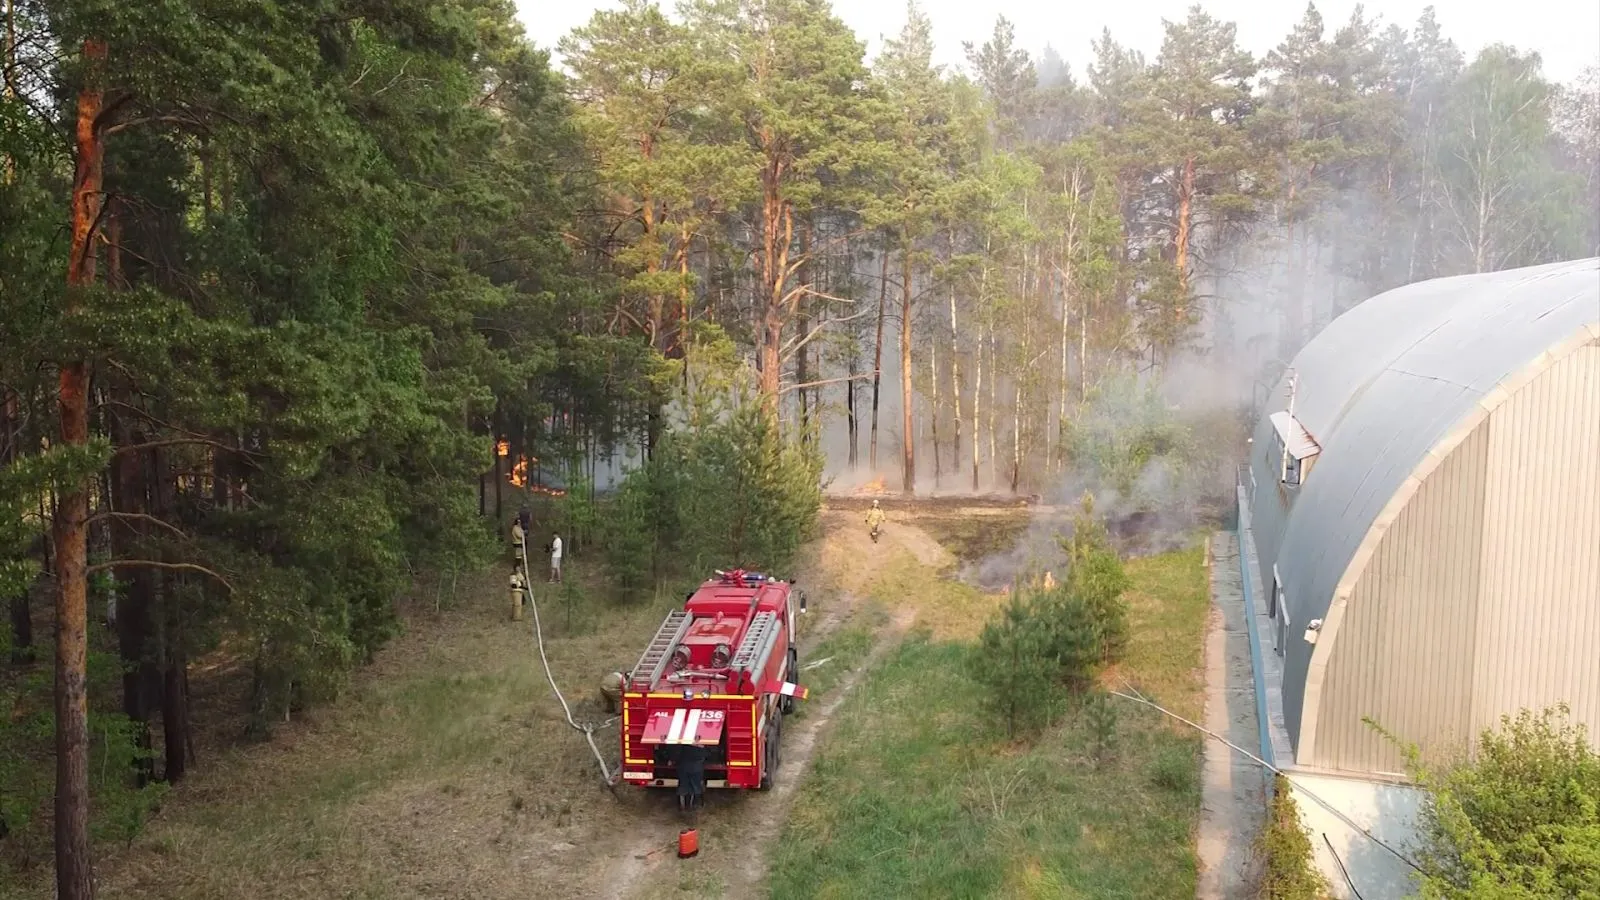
x: 555, y: 559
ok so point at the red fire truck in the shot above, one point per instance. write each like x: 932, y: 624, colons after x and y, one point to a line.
x: 704, y: 705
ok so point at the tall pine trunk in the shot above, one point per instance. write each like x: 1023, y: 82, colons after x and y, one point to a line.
x: 877, y: 362
x: 74, y: 873
x: 909, y: 444
x: 977, y: 371
x: 851, y: 427
x: 994, y: 378
x: 933, y: 410
x: 129, y: 495
x: 21, y: 606
x: 1185, y: 228
x: 955, y: 374
x: 777, y: 225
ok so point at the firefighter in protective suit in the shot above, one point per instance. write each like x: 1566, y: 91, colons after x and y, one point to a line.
x: 875, y: 517
x: 611, y: 692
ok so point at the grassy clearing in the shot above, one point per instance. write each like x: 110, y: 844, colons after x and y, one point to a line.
x: 446, y: 770
x: 915, y: 794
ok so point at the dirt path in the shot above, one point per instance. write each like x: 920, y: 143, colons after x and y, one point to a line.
x: 739, y: 865
x: 737, y: 829
x: 1232, y: 798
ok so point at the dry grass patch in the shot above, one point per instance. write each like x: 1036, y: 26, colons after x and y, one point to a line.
x: 447, y: 770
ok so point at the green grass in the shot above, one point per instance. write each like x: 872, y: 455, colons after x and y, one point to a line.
x: 917, y: 795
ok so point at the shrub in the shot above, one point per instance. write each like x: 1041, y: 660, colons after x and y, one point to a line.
x: 1102, y: 719
x: 1175, y: 769
x: 1041, y: 651
x: 1289, y: 870
x: 1014, y: 663
x: 725, y: 490
x: 1096, y: 577
x: 1521, y: 821
x: 1124, y: 430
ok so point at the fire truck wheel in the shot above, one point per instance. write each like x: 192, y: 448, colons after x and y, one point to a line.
x: 792, y: 673
x: 774, y: 755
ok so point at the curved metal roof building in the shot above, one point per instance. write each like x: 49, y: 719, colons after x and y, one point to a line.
x: 1425, y: 504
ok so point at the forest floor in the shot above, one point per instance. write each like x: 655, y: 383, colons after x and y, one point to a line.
x: 448, y: 770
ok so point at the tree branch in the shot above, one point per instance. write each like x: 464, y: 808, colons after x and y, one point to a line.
x: 810, y: 384
x: 790, y: 348
x: 181, y: 442
x: 128, y: 517
x: 152, y: 564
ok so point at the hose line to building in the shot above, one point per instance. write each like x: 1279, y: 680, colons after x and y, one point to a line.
x: 538, y: 633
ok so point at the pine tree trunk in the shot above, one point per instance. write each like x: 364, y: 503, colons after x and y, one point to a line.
x: 20, y: 605
x: 955, y: 374
x: 851, y: 427
x: 74, y: 872
x: 174, y: 698
x: 1016, y: 437
x: 21, y: 609
x: 877, y: 363
x: 1294, y: 325
x: 1069, y: 247
x: 129, y: 494
x: 933, y: 410
x: 1083, y: 354
x: 994, y: 378
x: 777, y: 233
x: 909, y: 444
x: 802, y: 366
x: 175, y: 715
x: 977, y: 372
x: 1185, y: 219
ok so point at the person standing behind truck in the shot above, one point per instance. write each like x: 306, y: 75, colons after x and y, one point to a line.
x: 555, y: 559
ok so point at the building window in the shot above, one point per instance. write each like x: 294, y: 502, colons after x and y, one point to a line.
x: 1296, y: 449
x: 1273, y: 595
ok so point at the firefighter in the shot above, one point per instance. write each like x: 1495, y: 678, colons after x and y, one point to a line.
x: 691, y: 777
x: 519, y: 592
x: 611, y: 692
x: 875, y: 517
x: 518, y: 535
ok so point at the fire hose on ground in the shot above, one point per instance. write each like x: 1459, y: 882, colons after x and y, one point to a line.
x: 538, y: 632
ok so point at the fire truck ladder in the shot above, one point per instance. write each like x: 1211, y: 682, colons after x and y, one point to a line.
x: 648, y: 668
x: 757, y: 644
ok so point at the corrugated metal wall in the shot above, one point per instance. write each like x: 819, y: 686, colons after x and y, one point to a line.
x: 1404, y: 650
x: 1484, y: 597
x: 1538, y: 639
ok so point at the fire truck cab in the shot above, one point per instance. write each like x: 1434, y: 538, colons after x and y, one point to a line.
x: 704, y: 705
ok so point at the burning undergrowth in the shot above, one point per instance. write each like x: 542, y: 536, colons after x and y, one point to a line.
x: 1152, y: 472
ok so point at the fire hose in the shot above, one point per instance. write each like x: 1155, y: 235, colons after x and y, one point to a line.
x: 538, y: 632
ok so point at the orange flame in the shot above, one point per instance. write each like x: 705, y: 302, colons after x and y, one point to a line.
x: 519, y: 472
x: 876, y: 486
x: 502, y: 448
